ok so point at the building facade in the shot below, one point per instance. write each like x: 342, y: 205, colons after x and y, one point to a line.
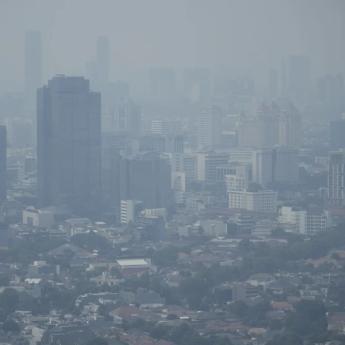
x: 69, y: 144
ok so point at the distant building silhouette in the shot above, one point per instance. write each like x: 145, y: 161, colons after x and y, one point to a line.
x: 337, y: 134
x: 33, y: 67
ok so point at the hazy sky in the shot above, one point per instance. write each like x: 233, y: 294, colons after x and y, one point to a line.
x: 242, y: 35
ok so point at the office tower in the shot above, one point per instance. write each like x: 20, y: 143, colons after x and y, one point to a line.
x: 32, y: 68
x: 336, y: 179
x: 152, y: 143
x: 285, y: 165
x: 190, y: 167
x: 298, y: 79
x: 160, y: 127
x: 275, y: 166
x: 260, y: 131
x: 262, y: 163
x: 268, y: 123
x: 114, y: 96
x: 98, y: 69
x: 290, y: 125
x: 20, y: 132
x: 126, y: 117
x: 209, y: 128
x: 69, y: 144
x: 275, y: 124
x: 337, y: 134
x: 197, y: 86
x: 146, y: 178
x: 249, y: 133
x: 162, y: 84
x: 3, y: 163
x: 207, y: 164
x: 115, y: 93
x: 273, y: 84
x: 331, y: 95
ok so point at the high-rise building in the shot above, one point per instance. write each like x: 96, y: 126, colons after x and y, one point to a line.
x: 146, y: 178
x: 277, y: 124
x: 207, y: 163
x: 129, y: 211
x: 298, y: 79
x: 209, y: 128
x: 262, y: 163
x: 197, y: 86
x: 337, y: 134
x: 336, y: 179
x: 69, y: 143
x: 33, y: 67
x: 284, y: 165
x: 330, y: 95
x: 126, y: 117
x: 239, y: 178
x: 275, y: 166
x: 290, y: 125
x: 3, y: 163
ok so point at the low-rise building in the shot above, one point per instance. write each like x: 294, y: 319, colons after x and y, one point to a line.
x: 40, y: 218
x: 261, y: 201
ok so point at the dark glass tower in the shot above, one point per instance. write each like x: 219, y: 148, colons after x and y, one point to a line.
x: 69, y: 144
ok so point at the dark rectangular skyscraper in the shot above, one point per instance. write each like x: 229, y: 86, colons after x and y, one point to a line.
x: 33, y: 66
x: 69, y: 144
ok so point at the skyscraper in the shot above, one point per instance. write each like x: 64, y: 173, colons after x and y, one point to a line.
x: 337, y: 134
x: 209, y: 128
x: 336, y: 179
x: 33, y: 67
x: 146, y: 178
x: 196, y: 84
x: 69, y: 143
x: 298, y: 78
x: 3, y: 163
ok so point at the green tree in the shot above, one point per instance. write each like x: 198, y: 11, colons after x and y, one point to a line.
x: 9, y: 300
x: 308, y: 320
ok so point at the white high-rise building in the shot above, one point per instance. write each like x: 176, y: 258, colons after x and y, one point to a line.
x: 129, y: 211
